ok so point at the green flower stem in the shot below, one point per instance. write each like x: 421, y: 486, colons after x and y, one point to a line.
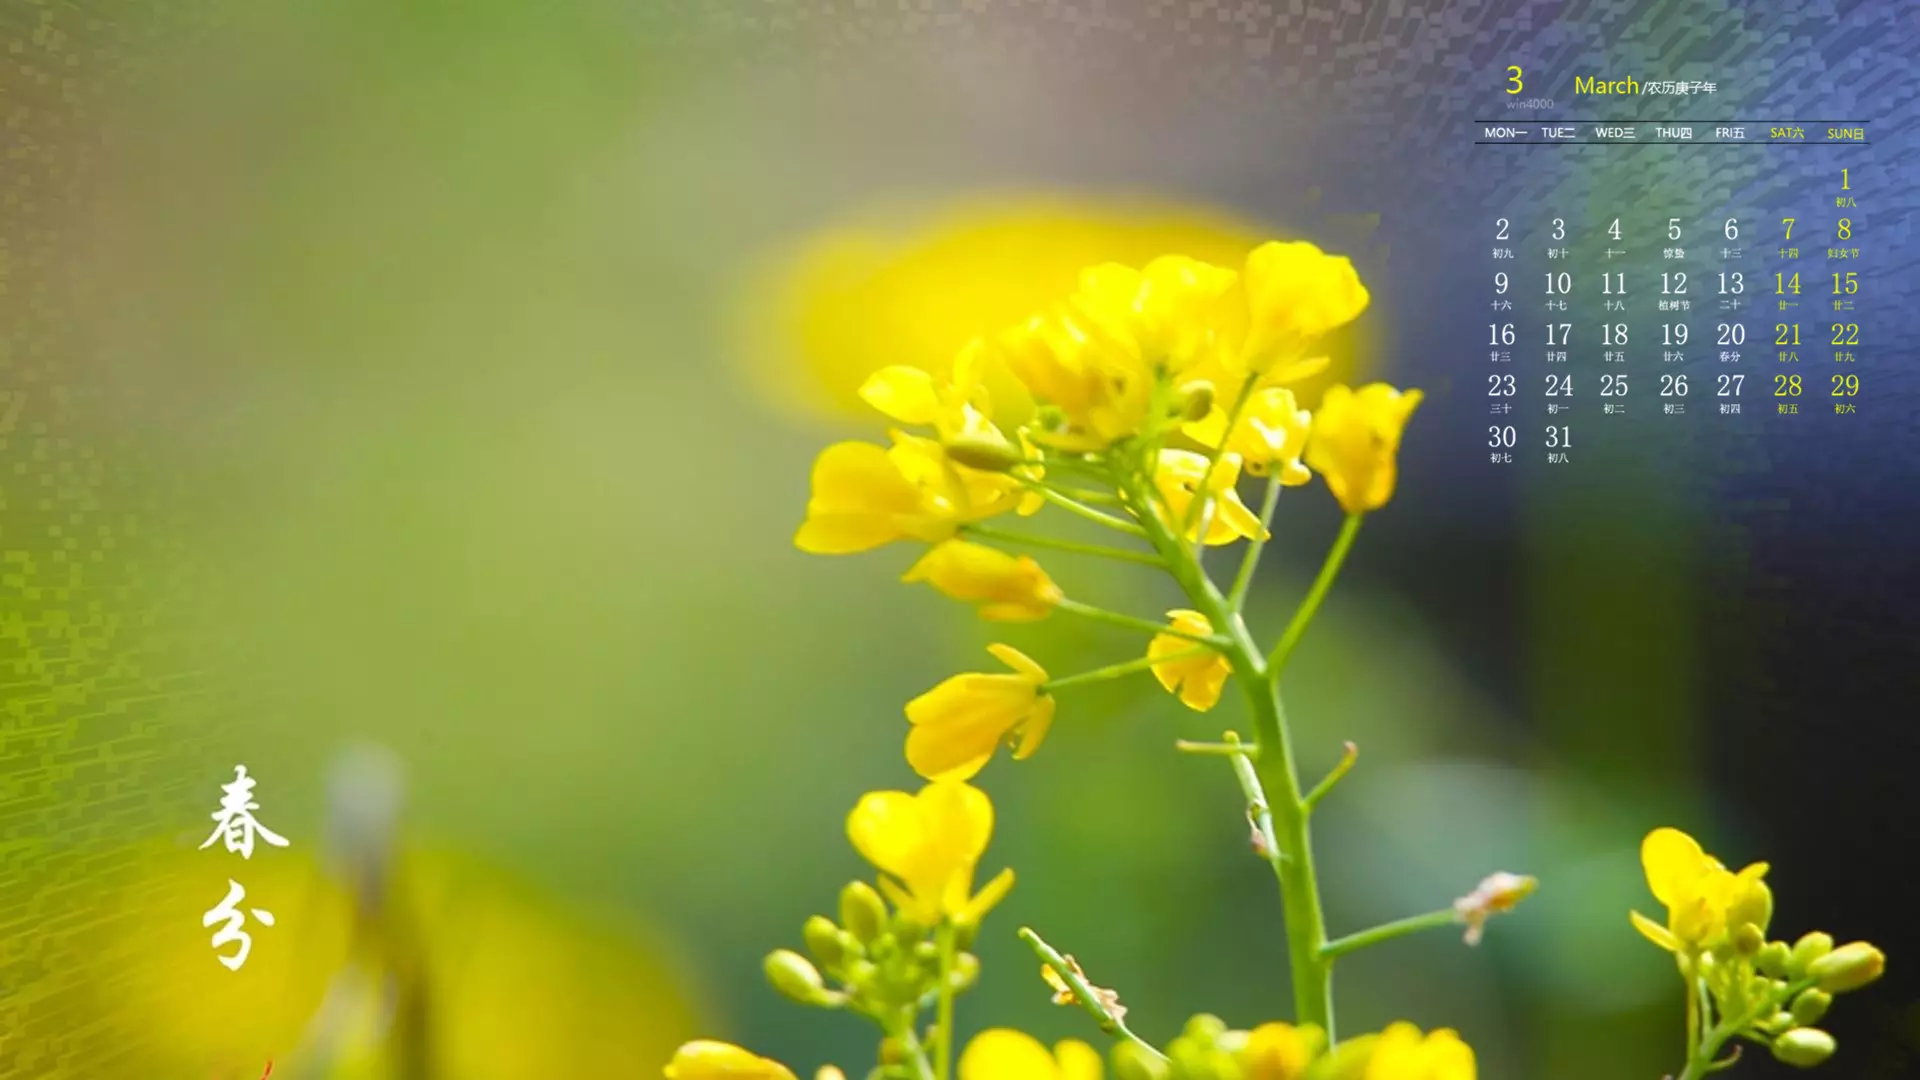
x: 1413, y: 924
x: 1292, y: 859
x: 901, y: 1031
x: 1088, y: 611
x: 1309, y: 607
x: 943, y: 1061
x: 1703, y: 1054
x: 1074, y: 506
x: 1115, y: 671
x: 1223, y: 749
x: 1259, y: 814
x: 987, y: 532
x: 1084, y: 993
x: 1334, y: 776
x: 1237, y: 596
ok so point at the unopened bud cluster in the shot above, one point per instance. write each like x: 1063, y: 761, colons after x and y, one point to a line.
x: 872, y: 961
x: 1788, y: 988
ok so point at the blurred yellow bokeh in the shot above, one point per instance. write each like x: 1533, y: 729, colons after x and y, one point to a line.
x: 911, y: 284
x: 515, y: 984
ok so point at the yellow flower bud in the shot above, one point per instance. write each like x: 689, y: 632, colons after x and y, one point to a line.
x: 798, y: 980
x: 1007, y: 588
x: 1849, y: 967
x: 1811, y: 946
x: 984, y: 452
x: 1747, y: 939
x: 708, y: 1059
x: 829, y: 1072
x: 1811, y: 1005
x: 1356, y: 440
x: 1804, y: 1047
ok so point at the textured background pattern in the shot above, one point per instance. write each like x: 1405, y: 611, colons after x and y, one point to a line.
x: 1807, y: 525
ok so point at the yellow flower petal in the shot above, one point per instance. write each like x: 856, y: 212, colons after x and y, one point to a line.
x: 1006, y: 1054
x: 1355, y: 442
x: 1654, y: 932
x: 1295, y: 294
x: 1674, y: 864
x: 905, y: 394
x: 1078, y: 1061
x: 707, y: 1059
x: 927, y: 842
x: 1276, y: 1051
x: 1196, y: 677
x: 1019, y: 662
x: 1006, y: 588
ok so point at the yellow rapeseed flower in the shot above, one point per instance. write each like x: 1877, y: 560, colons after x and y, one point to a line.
x: 1065, y: 361
x: 1006, y: 1054
x: 1271, y: 432
x: 1295, y: 294
x: 1159, y: 319
x: 1403, y: 1053
x: 709, y: 1059
x: 866, y: 495
x: 1008, y: 588
x: 957, y: 406
x: 1698, y: 891
x: 1196, y: 678
x: 1277, y: 1051
x: 926, y: 846
x: 1180, y: 478
x: 957, y: 724
x: 1356, y: 439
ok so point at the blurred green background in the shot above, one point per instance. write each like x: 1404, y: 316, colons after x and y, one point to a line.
x: 408, y: 372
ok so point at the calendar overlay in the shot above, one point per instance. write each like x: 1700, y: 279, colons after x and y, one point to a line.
x: 1607, y: 317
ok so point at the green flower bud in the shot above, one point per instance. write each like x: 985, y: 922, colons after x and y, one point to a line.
x: 1804, y: 1047
x: 1849, y: 967
x: 966, y: 971
x: 1748, y: 940
x: 1194, y: 400
x: 825, y: 941
x: 984, y: 452
x: 1777, y: 1023
x: 796, y: 979
x: 1772, y: 958
x: 1206, y: 1028
x: 892, y: 1051
x: 1809, y: 948
x: 1130, y: 1062
x: 862, y: 911
x: 927, y: 952
x: 1811, y: 1005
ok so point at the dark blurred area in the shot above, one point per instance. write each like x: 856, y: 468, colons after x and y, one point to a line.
x: 445, y: 378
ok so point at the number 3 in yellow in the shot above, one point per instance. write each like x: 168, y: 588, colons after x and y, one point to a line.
x: 1514, y: 78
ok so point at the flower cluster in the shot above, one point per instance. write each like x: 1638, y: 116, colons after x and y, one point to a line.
x: 1143, y: 399
x: 1739, y: 984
